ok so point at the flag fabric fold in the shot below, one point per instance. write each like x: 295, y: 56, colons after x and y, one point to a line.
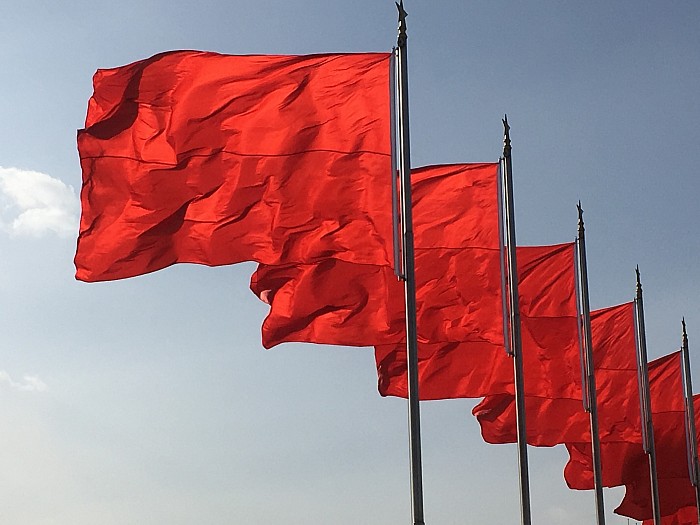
x: 215, y: 159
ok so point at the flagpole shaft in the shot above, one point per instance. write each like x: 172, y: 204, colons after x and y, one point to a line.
x: 398, y: 266
x: 648, y: 434
x: 516, y: 342
x: 590, y: 387
x: 502, y: 260
x: 691, y: 431
x: 409, y: 278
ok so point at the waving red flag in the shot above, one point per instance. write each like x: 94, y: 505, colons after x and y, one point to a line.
x: 455, y: 212
x: 556, y: 420
x: 474, y: 365
x: 215, y: 159
x: 625, y: 462
x: 675, y: 488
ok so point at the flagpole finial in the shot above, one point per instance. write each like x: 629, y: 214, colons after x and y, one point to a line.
x: 639, y: 281
x: 685, y: 334
x: 403, y: 36
x: 506, y: 137
x: 580, y: 216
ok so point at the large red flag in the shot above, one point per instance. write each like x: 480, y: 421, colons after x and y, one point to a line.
x: 455, y: 215
x: 214, y: 159
x: 474, y: 365
x: 625, y: 462
x: 553, y: 421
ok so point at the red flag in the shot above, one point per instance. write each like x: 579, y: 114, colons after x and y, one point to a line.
x: 685, y: 516
x: 556, y: 420
x: 214, y: 159
x: 675, y: 488
x: 455, y: 212
x: 625, y: 462
x: 331, y: 302
x: 474, y: 366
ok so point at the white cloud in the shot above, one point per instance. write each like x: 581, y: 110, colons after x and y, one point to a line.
x: 33, y: 203
x: 28, y: 384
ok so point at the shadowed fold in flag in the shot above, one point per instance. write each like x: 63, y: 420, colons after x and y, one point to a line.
x: 214, y: 159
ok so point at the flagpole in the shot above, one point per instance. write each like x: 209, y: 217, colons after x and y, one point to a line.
x: 515, y: 337
x: 690, y: 428
x: 590, y: 398
x: 645, y: 401
x: 409, y: 274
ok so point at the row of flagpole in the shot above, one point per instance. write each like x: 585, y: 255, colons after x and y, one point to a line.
x: 404, y: 267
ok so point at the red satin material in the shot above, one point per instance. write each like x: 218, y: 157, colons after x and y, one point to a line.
x: 215, y: 159
x: 627, y: 464
x: 455, y: 211
x: 675, y: 489
x: 555, y: 420
x: 478, y: 366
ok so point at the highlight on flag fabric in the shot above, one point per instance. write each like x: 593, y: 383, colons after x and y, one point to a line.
x: 556, y: 420
x: 475, y: 365
x: 199, y: 157
x: 455, y: 221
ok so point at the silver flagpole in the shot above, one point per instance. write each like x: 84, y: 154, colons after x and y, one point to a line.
x: 516, y: 343
x: 645, y: 401
x: 409, y: 274
x: 590, y: 401
x: 690, y: 429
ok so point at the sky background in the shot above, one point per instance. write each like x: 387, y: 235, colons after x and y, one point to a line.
x: 151, y: 401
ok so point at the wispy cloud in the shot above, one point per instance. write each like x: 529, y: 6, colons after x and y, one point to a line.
x: 34, y: 203
x: 28, y: 383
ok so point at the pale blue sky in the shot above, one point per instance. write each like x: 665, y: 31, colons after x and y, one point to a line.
x: 151, y: 400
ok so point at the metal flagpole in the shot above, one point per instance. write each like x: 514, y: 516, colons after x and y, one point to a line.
x: 590, y: 402
x: 690, y: 430
x: 645, y: 401
x: 409, y: 274
x: 515, y: 339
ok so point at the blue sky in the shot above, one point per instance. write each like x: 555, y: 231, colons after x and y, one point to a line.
x: 151, y: 400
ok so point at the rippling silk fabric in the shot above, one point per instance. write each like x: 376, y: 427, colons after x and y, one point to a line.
x: 214, y: 159
x: 552, y: 421
x: 455, y: 216
x: 475, y: 364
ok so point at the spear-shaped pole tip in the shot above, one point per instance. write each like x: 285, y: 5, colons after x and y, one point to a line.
x: 685, y: 334
x: 639, y: 280
x: 402, y: 23
x: 580, y: 215
x: 506, y: 136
